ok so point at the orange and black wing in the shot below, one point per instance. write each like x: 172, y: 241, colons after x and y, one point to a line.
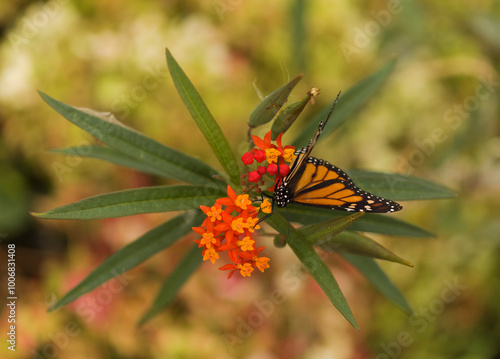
x: 303, y: 153
x: 321, y: 184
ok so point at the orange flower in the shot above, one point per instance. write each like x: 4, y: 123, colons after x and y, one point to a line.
x: 272, y: 155
x: 234, y: 202
x: 242, y: 201
x: 211, y: 254
x: 214, y: 212
x: 246, y: 244
x: 238, y: 225
x: 288, y: 152
x: 261, y: 263
x: 245, y: 269
x: 263, y: 145
x: 208, y: 239
x: 252, y: 224
x: 266, y: 206
x: 229, y: 227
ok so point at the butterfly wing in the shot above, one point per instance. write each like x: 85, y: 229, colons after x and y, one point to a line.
x: 302, y: 156
x: 303, y: 153
x: 321, y: 184
x: 317, y: 183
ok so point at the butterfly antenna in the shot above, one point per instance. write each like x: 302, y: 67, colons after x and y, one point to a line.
x: 263, y: 219
x: 321, y: 126
x: 331, y: 111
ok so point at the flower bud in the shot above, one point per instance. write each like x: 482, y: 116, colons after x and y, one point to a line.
x: 284, y: 170
x: 259, y: 155
x: 247, y: 158
x: 261, y: 170
x: 272, y: 169
x: 253, y: 176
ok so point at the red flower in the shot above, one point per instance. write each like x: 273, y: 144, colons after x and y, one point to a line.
x: 262, y: 170
x: 259, y: 155
x: 284, y: 170
x: 272, y: 169
x: 276, y: 156
x: 247, y: 158
x: 254, y: 176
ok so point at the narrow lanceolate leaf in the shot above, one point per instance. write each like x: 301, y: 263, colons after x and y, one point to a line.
x: 372, y: 271
x: 137, y: 201
x: 371, y: 222
x: 357, y: 243
x: 110, y: 155
x: 319, y: 232
x: 133, y: 254
x: 299, y: 36
x: 173, y: 164
x: 287, y: 116
x: 269, y: 106
x: 314, y: 265
x: 204, y: 119
x: 399, y: 187
x: 174, y: 282
x: 350, y: 101
x: 322, y: 232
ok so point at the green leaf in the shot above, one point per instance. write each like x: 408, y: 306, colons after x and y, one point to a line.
x: 173, y: 164
x: 314, y: 265
x: 269, y: 107
x: 110, y: 155
x: 133, y: 254
x: 299, y: 15
x: 316, y: 233
x: 399, y: 187
x: 204, y: 119
x: 350, y: 102
x: 287, y: 116
x: 174, y: 282
x: 319, y: 232
x: 372, y: 271
x: 371, y: 222
x: 136, y: 201
x: 354, y: 242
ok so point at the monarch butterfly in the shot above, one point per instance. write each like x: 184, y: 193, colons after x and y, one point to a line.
x: 314, y: 182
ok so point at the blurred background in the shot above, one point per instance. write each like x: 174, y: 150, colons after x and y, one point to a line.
x: 437, y: 117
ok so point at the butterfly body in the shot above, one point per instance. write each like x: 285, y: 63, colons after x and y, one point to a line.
x: 317, y: 183
x: 283, y: 195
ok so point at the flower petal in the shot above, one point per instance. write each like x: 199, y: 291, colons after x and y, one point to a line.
x: 258, y: 142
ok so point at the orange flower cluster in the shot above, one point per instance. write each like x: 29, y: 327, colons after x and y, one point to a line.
x: 230, y: 227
